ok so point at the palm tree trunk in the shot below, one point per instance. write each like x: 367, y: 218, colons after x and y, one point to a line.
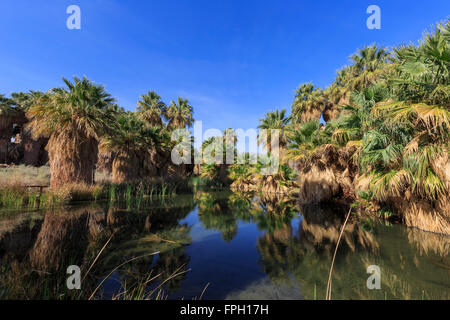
x: 126, y: 167
x: 72, y: 158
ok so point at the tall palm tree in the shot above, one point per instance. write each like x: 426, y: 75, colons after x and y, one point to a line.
x: 369, y: 64
x: 7, y: 114
x: 5, y: 103
x: 151, y: 109
x: 32, y: 148
x: 74, y: 118
x: 8, y: 111
x: 421, y: 109
x: 356, y: 118
x: 131, y: 143
x: 179, y: 114
x: 304, y: 140
x: 229, y: 146
x: 308, y: 103
x: 338, y: 92
x: 275, y: 120
x: 23, y: 100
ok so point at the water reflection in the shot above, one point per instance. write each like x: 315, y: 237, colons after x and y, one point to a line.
x: 259, y: 246
x: 305, y: 256
x: 215, y: 212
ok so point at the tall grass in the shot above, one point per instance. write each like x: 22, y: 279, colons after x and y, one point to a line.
x: 18, y: 196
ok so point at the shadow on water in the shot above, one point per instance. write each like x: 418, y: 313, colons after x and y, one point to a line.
x: 245, y: 246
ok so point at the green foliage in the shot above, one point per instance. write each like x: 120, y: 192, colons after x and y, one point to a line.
x: 303, y: 140
x: 83, y: 107
x: 307, y: 98
x: 395, y: 110
x: 179, y: 114
x: 151, y: 109
x: 6, y: 106
x: 275, y: 120
x: 132, y: 134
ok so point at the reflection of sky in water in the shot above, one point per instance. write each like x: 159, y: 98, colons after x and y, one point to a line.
x: 232, y: 268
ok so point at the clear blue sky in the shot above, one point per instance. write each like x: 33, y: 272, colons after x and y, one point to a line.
x: 234, y: 60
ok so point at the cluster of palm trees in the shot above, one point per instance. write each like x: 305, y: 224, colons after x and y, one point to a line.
x: 400, y: 123
x: 81, y: 118
x: 217, y: 154
x: 391, y: 107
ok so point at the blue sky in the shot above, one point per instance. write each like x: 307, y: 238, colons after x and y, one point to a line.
x: 234, y: 60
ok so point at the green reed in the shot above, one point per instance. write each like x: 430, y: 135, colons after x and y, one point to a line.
x: 18, y: 197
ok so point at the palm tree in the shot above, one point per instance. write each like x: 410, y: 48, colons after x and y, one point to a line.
x: 151, y: 109
x: 131, y: 143
x: 5, y: 103
x: 213, y: 166
x: 9, y: 112
x: 6, y: 112
x: 229, y: 146
x: 369, y: 64
x: 179, y: 114
x: 241, y: 173
x: 308, y: 103
x: 275, y: 120
x: 225, y: 144
x: 356, y: 118
x: 23, y: 100
x: 337, y: 94
x: 210, y: 171
x: 33, y: 149
x: 74, y: 118
x: 415, y: 133
x: 304, y: 140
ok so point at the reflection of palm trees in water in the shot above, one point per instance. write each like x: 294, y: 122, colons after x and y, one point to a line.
x: 224, y: 223
x: 170, y: 263
x: 306, y: 256
x: 161, y: 214
x: 63, y: 238
x: 222, y: 211
x: 76, y: 235
x: 154, y: 230
x: 270, y: 212
x: 277, y: 220
x: 321, y: 226
x: 215, y: 212
x: 273, y: 214
x: 274, y: 248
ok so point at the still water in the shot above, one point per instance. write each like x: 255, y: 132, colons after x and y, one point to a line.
x: 216, y: 245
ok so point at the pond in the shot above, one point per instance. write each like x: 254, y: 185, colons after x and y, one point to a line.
x: 216, y: 245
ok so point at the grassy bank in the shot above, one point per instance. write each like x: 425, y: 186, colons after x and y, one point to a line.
x: 16, y: 193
